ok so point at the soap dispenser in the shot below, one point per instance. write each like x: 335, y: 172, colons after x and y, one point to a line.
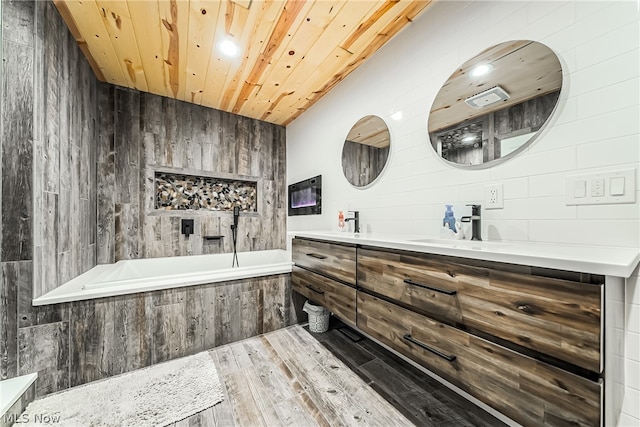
x: 449, y: 220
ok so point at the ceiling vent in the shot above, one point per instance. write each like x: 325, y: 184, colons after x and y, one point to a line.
x: 488, y: 97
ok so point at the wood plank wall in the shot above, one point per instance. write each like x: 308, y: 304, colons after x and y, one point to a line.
x: 151, y: 133
x: 48, y: 175
x: 76, y: 157
x: 65, y: 133
x: 99, y: 338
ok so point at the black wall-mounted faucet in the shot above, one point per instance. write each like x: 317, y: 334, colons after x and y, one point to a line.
x: 474, y: 219
x: 356, y: 218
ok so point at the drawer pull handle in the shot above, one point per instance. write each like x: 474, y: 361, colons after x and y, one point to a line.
x: 447, y: 357
x: 318, y: 256
x: 431, y: 288
x: 315, y: 290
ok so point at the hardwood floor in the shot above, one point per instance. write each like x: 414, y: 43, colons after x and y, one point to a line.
x: 292, y: 377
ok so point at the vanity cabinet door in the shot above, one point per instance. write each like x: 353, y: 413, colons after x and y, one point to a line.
x: 425, y: 285
x: 555, y: 317
x: 336, y: 297
x: 528, y: 391
x: 330, y: 259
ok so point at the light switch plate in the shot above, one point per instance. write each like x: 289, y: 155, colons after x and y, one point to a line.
x: 601, y: 188
x: 580, y: 188
x: 616, y: 186
x: 597, y: 187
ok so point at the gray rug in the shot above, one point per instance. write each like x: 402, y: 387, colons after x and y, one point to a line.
x: 154, y: 396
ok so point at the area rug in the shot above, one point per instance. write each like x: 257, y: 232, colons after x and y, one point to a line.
x: 158, y: 395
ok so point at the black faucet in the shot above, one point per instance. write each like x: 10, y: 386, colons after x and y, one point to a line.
x: 474, y: 219
x: 356, y: 218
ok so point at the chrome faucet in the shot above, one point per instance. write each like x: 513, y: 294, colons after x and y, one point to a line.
x: 474, y: 219
x: 356, y: 218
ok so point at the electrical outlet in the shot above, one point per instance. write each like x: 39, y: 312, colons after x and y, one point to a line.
x: 493, y: 197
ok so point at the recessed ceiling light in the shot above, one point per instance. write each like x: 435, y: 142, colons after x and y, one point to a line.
x: 481, y: 70
x: 228, y: 47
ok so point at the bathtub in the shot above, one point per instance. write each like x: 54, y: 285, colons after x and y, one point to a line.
x: 142, y: 275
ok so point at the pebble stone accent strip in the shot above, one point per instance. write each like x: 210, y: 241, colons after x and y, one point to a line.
x: 188, y: 192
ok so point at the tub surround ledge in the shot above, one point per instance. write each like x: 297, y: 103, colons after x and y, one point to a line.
x: 98, y: 282
x: 15, y: 394
x: 605, y: 260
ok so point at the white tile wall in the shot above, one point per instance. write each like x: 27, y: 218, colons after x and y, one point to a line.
x: 596, y: 127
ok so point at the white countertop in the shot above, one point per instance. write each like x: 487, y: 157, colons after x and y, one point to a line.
x: 605, y: 260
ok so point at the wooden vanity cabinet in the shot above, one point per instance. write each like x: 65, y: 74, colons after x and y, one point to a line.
x: 526, y: 341
x: 334, y: 260
x: 325, y: 273
x: 528, y: 345
x: 555, y: 317
x: 526, y: 390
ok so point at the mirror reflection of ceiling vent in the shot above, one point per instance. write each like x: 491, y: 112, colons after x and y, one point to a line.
x: 488, y: 97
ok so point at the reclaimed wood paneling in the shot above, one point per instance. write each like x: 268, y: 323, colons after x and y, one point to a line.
x: 45, y: 349
x: 8, y: 322
x: 131, y: 340
x: 109, y: 336
x: 21, y: 273
x: 274, y: 304
x: 91, y: 353
x: 17, y: 146
x: 18, y: 20
x: 106, y: 181
x: 152, y: 133
x: 65, y: 128
x: 48, y: 262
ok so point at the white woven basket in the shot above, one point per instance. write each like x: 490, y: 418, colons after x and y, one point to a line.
x: 318, y: 317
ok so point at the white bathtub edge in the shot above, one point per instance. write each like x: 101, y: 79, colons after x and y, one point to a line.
x: 12, y: 389
x: 73, y: 290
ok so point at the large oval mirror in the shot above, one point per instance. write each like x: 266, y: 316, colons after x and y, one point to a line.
x: 492, y: 106
x: 365, y: 151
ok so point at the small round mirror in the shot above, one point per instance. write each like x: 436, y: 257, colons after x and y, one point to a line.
x: 365, y: 151
x: 492, y: 106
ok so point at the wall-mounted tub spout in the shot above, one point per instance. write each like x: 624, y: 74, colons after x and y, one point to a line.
x: 217, y: 237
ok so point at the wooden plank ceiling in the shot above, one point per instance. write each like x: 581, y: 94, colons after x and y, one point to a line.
x: 291, y: 52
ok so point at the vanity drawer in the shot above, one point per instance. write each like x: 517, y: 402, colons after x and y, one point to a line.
x: 556, y: 317
x: 330, y: 259
x: 336, y: 297
x: 528, y: 391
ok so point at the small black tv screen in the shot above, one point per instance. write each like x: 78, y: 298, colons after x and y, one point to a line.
x: 305, y: 197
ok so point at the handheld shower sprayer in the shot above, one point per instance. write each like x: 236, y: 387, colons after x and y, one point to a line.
x: 236, y: 214
x: 234, y: 233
